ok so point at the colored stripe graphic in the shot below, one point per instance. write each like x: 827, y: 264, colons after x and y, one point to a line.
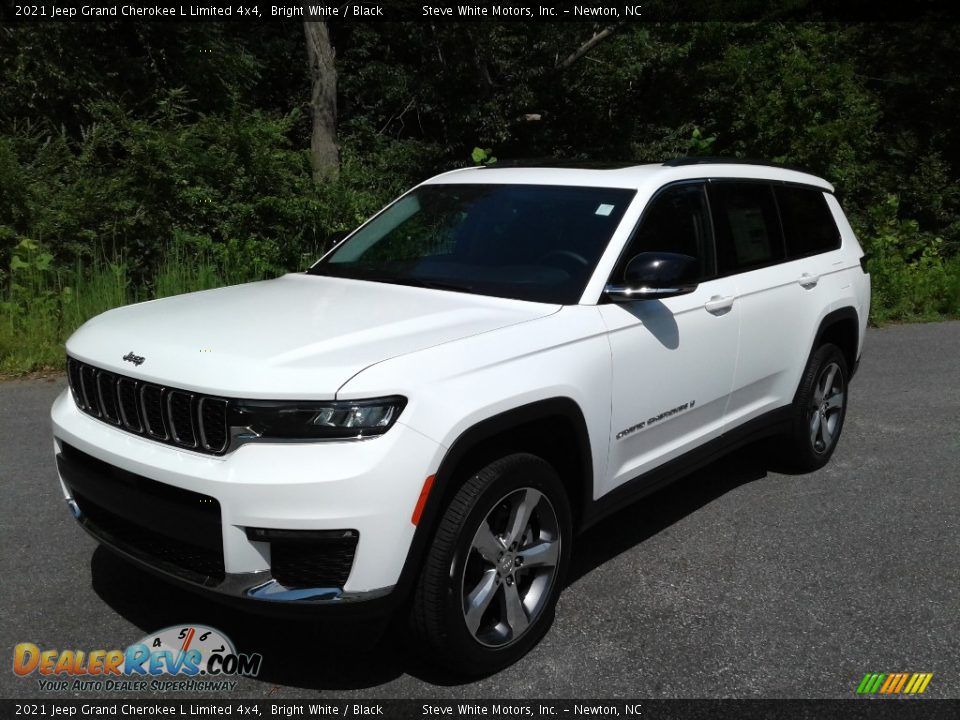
x: 903, y: 679
x: 892, y: 680
x: 870, y: 683
x: 918, y: 683
x: 894, y: 683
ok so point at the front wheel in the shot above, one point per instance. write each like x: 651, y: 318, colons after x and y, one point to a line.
x: 819, y: 409
x: 491, y: 579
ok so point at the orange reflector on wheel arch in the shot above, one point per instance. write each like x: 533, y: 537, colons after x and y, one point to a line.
x: 422, y: 500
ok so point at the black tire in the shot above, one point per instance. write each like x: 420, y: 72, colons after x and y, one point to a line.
x: 815, y: 428
x: 457, y: 571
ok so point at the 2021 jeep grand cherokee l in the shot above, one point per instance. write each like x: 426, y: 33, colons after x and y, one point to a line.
x: 429, y: 414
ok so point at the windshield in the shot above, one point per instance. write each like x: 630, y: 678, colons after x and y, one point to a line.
x: 527, y: 242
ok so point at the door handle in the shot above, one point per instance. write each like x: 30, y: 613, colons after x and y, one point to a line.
x: 808, y: 281
x: 719, y: 305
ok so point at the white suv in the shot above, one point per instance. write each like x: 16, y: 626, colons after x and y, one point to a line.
x: 426, y: 418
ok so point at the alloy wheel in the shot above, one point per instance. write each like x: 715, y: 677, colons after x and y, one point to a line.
x: 826, y: 408
x: 512, y: 565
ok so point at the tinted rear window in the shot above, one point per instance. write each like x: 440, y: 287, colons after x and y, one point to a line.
x: 746, y: 225
x: 808, y: 224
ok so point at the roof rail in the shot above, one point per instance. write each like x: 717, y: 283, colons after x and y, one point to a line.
x: 576, y: 164
x: 683, y: 161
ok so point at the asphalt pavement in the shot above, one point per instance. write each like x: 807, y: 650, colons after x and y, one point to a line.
x: 734, y: 582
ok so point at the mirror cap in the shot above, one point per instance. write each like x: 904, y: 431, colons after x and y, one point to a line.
x: 655, y: 275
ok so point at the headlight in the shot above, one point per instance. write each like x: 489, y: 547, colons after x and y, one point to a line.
x: 279, y: 420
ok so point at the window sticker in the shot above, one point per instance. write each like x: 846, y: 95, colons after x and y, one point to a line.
x: 750, y: 237
x: 604, y: 209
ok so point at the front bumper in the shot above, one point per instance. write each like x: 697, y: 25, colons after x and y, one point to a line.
x: 199, y: 519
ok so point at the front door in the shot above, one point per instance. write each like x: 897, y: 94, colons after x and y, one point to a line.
x: 673, y: 360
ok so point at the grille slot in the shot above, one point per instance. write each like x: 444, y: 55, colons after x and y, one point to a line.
x: 129, y: 407
x: 107, y: 394
x: 168, y: 415
x: 88, y: 382
x: 180, y: 409
x: 151, y: 402
x: 76, y: 387
x: 213, y: 424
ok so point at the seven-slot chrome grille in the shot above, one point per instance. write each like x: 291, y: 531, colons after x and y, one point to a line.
x: 168, y: 415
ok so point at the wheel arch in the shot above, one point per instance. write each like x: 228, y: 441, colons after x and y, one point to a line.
x: 554, y: 429
x: 842, y: 328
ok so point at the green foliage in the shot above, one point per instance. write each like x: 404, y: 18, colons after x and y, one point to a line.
x: 140, y: 160
x: 44, y: 304
x: 33, y: 309
x: 793, y: 95
x: 481, y: 156
x: 911, y: 278
x: 700, y: 145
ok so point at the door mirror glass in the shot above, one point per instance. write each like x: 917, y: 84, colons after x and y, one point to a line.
x: 654, y: 275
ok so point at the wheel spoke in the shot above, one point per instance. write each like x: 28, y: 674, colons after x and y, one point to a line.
x: 828, y: 383
x: 835, y: 401
x: 479, y: 600
x: 487, y: 544
x: 815, y: 427
x: 514, y: 611
x: 542, y: 554
x: 819, y: 391
x: 520, y: 514
x: 826, y: 435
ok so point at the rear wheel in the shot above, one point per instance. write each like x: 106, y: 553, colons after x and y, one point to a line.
x: 491, y: 579
x: 819, y: 409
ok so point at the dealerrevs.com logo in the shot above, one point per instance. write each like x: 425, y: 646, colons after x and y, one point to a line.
x: 203, y: 656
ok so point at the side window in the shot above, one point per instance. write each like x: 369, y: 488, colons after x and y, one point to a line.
x: 808, y: 224
x: 747, y: 227
x: 677, y: 220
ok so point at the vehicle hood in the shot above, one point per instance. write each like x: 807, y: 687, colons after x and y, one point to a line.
x: 298, y: 336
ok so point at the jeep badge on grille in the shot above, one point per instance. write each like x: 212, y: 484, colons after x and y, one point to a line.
x: 135, y: 359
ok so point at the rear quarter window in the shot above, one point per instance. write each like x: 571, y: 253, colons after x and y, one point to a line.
x: 808, y: 224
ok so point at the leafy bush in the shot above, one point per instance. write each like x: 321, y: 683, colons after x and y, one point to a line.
x: 144, y: 160
x: 911, y: 278
x: 32, y: 311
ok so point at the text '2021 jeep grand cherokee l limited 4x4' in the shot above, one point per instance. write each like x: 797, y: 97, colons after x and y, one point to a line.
x: 427, y: 416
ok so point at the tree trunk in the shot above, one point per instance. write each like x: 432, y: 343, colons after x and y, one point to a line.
x: 324, y: 153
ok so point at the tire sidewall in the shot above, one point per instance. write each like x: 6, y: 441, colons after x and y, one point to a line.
x: 821, y: 357
x: 532, y: 472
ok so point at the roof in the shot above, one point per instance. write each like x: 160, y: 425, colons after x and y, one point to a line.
x: 639, y: 177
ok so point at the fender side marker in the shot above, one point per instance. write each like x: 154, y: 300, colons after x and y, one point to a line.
x: 422, y: 500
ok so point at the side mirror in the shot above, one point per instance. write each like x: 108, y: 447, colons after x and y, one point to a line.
x: 655, y: 275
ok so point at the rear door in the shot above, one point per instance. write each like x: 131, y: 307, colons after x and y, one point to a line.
x: 780, y: 279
